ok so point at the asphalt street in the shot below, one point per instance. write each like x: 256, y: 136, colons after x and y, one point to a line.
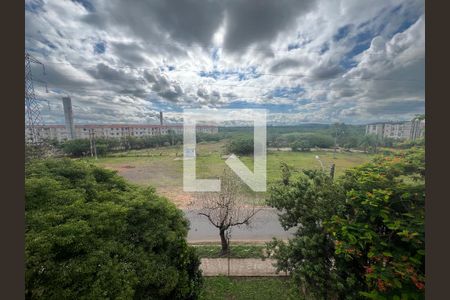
x: 264, y: 227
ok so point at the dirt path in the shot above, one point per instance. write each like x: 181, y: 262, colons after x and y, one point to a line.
x: 238, y: 267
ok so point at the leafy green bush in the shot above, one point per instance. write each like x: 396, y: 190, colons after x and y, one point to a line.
x: 91, y: 235
x: 240, y: 146
x: 308, y: 139
x: 359, y: 236
x: 301, y: 145
x: 81, y: 147
x: 76, y: 148
x: 382, y: 228
x: 308, y: 201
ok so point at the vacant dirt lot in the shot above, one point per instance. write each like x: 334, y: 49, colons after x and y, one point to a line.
x: 163, y: 168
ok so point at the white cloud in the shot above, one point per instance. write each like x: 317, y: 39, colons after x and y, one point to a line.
x: 158, y: 55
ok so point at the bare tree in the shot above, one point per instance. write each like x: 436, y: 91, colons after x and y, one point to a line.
x: 226, y: 209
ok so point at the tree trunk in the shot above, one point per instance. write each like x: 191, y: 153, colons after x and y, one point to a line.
x: 224, y: 242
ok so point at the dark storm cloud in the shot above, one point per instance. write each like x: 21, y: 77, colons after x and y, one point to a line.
x: 326, y: 71
x: 395, y: 107
x: 195, y: 22
x: 202, y: 93
x: 186, y: 21
x: 290, y: 63
x: 287, y: 63
x: 129, y: 52
x: 165, y: 88
x: 58, y: 76
x: 210, y: 97
x: 109, y: 74
x: 344, y: 93
x: 136, y: 92
x: 121, y: 82
x: 258, y: 21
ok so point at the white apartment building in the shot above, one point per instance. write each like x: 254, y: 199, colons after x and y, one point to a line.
x: 60, y: 132
x: 409, y: 130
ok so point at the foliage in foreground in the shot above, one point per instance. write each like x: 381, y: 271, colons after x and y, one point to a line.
x: 90, y: 235
x: 359, y: 236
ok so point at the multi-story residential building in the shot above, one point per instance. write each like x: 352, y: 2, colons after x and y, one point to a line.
x: 60, y: 132
x: 409, y: 130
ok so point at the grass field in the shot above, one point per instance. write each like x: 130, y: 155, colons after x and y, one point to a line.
x: 162, y: 168
x: 243, y: 288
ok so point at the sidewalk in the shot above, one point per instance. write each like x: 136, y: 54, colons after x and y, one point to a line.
x: 239, y: 267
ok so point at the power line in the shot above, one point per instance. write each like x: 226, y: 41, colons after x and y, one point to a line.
x: 228, y: 73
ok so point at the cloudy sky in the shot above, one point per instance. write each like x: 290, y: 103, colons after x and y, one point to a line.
x: 320, y: 61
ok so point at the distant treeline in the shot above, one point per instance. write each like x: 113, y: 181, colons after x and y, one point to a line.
x: 82, y: 147
x: 306, y: 136
x: 240, y: 140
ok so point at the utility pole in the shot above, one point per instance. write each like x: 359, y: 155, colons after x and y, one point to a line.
x: 95, y: 147
x: 92, y: 143
x: 332, y: 169
x: 335, y: 145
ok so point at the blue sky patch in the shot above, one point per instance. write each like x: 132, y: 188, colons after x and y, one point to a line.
x: 286, y: 92
x: 215, y: 54
x: 272, y: 107
x: 213, y: 74
x: 342, y: 32
x: 324, y: 48
x: 250, y: 73
x: 100, y: 48
x: 34, y: 5
x: 86, y: 4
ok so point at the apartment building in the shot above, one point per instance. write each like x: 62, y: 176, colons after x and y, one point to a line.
x: 409, y: 130
x: 60, y: 132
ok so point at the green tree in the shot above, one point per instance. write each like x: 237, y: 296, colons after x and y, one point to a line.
x: 240, y: 146
x: 76, y: 148
x: 307, y: 202
x: 301, y: 145
x: 361, y: 235
x: 369, y: 143
x: 382, y: 228
x: 91, y: 235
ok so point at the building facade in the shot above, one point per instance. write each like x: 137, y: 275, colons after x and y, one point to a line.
x: 409, y: 130
x: 60, y: 133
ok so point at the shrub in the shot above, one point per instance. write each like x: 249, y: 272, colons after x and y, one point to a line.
x: 359, y: 236
x: 78, y: 147
x: 91, y: 235
x: 240, y: 146
x: 382, y: 228
x: 301, y: 145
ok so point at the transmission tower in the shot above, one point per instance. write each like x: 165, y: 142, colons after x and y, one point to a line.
x: 33, y: 119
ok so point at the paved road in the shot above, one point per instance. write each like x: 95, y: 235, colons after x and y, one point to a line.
x: 264, y: 227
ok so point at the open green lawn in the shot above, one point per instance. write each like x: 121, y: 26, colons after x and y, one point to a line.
x: 162, y: 168
x: 241, y: 288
